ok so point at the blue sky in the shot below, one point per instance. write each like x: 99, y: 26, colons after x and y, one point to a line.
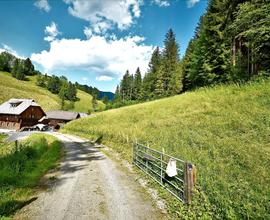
x: 93, y: 42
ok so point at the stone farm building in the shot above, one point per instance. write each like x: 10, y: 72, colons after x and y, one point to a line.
x: 18, y: 113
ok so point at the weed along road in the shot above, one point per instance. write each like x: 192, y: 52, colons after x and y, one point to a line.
x: 90, y: 186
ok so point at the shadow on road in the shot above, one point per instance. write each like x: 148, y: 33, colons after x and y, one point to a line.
x: 76, y: 158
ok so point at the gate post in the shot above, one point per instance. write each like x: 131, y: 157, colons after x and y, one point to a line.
x: 190, y: 178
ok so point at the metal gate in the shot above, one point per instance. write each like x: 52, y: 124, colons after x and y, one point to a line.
x: 154, y: 163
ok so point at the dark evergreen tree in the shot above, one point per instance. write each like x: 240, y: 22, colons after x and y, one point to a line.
x: 150, y: 78
x: 170, y: 60
x: 28, y: 67
x: 125, y: 86
x: 250, y: 32
x: 138, y: 85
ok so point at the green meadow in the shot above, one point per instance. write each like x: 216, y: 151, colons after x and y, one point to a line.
x: 224, y: 130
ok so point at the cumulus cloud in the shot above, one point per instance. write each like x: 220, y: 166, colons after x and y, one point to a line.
x: 43, y: 5
x: 51, y: 31
x: 104, y: 78
x: 85, y: 79
x: 162, y: 3
x: 104, y: 15
x: 191, y: 3
x: 97, y: 55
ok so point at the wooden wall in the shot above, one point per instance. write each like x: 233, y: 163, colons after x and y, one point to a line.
x: 28, y: 118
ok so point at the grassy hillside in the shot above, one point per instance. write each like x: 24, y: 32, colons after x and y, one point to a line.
x: 223, y: 130
x: 85, y: 103
x: 13, y: 88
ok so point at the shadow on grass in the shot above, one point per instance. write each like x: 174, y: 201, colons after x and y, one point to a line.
x: 10, y: 207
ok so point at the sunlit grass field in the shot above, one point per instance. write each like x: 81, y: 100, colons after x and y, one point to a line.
x: 223, y: 130
x: 21, y: 169
x: 85, y: 103
x: 13, y: 88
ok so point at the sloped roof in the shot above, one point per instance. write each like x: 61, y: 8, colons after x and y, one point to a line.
x: 62, y: 115
x: 83, y: 115
x: 21, y: 105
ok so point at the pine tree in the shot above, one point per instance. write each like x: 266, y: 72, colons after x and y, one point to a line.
x: 251, y: 29
x: 137, y: 84
x: 117, y: 97
x: 159, y: 87
x: 125, y: 86
x: 150, y: 78
x: 28, y: 67
x: 170, y: 59
x: 176, y: 81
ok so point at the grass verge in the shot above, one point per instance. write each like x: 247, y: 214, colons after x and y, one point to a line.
x: 21, y: 168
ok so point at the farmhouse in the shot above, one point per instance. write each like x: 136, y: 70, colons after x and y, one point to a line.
x: 57, y: 117
x: 18, y: 113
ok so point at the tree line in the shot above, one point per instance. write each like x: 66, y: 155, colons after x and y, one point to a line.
x: 19, y: 68
x: 65, y: 89
x: 163, y: 77
x: 230, y: 44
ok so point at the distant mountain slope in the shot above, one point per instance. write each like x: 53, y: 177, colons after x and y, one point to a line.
x: 223, y: 130
x: 13, y: 88
x: 102, y: 94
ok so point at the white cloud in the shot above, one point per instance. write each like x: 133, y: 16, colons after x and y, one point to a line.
x: 97, y: 55
x: 162, y: 3
x: 43, y: 5
x: 88, y: 32
x: 104, y: 78
x: 191, y: 3
x: 104, y: 15
x: 51, y: 31
x: 11, y: 51
x: 85, y: 79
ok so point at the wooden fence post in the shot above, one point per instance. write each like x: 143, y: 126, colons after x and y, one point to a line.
x: 190, y: 178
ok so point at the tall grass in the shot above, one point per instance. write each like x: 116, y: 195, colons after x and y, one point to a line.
x: 223, y: 130
x: 21, y: 168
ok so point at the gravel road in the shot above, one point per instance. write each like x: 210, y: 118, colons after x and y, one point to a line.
x: 90, y: 186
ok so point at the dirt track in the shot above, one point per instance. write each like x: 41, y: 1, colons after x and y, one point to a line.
x: 90, y: 186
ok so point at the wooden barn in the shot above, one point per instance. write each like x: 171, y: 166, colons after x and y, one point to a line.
x: 18, y: 113
x: 58, y: 117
